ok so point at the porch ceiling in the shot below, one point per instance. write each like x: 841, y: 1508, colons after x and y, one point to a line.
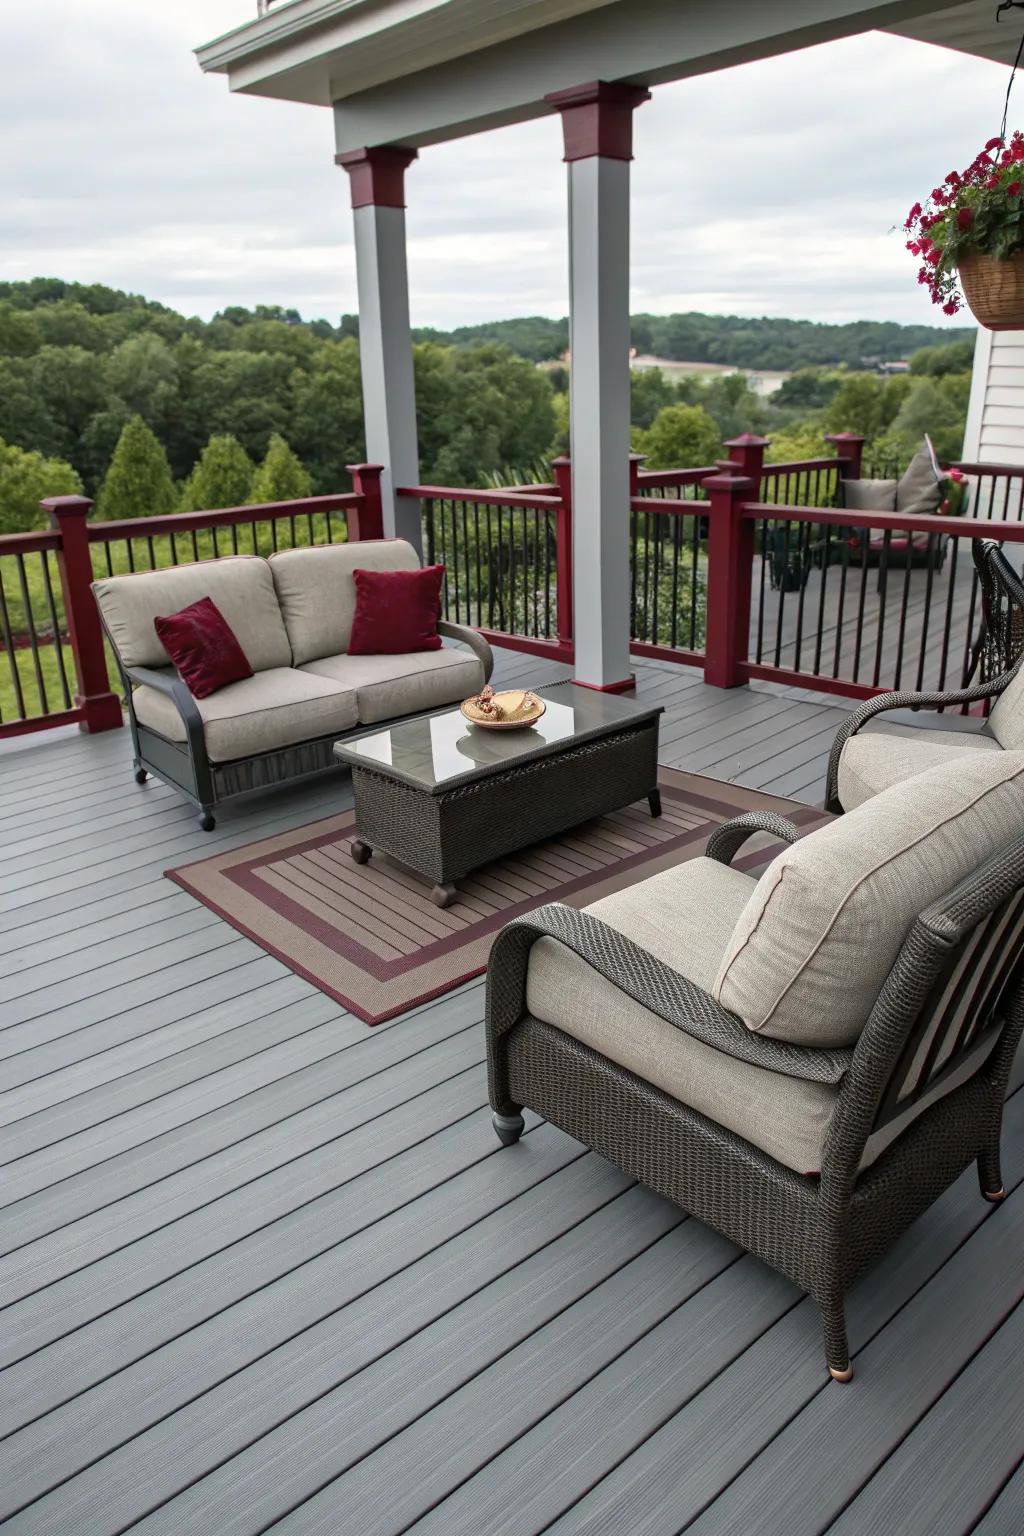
x: 423, y: 71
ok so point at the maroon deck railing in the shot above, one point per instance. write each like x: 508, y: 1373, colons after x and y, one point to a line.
x: 54, y: 669
x: 748, y: 569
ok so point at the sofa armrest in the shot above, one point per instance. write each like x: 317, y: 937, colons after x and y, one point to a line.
x: 726, y: 840
x: 471, y: 638
x: 174, y: 688
x: 645, y: 979
x: 900, y: 700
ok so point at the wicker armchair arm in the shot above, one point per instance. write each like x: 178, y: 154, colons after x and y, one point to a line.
x: 726, y: 840
x: 899, y: 700
x: 473, y: 639
x: 649, y: 982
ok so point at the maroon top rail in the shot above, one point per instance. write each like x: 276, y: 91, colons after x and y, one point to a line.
x: 484, y: 497
x: 28, y: 543
x: 796, y: 466
x: 223, y: 517
x: 665, y: 477
x: 895, y: 522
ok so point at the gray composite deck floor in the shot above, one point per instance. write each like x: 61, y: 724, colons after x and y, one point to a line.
x: 269, y: 1269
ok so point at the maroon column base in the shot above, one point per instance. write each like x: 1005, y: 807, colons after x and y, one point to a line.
x: 100, y: 712
x: 626, y: 686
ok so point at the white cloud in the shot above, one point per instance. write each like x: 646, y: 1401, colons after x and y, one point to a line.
x: 768, y: 189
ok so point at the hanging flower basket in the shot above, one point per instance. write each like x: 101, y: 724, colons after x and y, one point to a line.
x: 994, y: 289
x: 969, y: 236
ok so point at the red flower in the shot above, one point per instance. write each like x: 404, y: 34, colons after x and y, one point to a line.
x: 994, y: 144
x: 1013, y: 189
x: 934, y: 256
x: 993, y: 181
x: 953, y: 178
x: 1017, y: 150
x: 965, y: 218
x: 1005, y: 157
x: 951, y: 306
x: 914, y: 247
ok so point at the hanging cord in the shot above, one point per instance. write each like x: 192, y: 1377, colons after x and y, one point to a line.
x: 1010, y: 5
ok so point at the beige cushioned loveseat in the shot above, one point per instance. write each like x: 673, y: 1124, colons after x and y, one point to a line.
x: 292, y: 615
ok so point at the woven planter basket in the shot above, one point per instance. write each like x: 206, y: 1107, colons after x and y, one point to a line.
x: 994, y: 290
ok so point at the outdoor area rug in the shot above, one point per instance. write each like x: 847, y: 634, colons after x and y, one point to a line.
x: 369, y: 934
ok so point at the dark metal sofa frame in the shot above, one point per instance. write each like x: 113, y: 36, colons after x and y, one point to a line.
x: 998, y: 655
x: 821, y: 1231
x: 187, y: 766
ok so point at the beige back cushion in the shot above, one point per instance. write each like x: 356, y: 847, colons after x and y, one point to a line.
x: 869, y: 495
x: 919, y: 491
x: 317, y: 591
x: 825, y: 923
x: 1006, y: 721
x: 240, y: 585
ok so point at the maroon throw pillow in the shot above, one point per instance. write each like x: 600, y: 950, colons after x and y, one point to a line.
x: 203, y: 646
x: 396, y: 611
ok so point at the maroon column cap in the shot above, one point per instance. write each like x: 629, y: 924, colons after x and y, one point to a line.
x: 597, y: 118
x: 377, y: 174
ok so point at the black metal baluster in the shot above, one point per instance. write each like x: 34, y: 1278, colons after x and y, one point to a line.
x: 934, y: 542
x: 859, y: 635
x: 803, y: 550
x: 51, y: 608
x: 476, y: 554
x: 819, y: 638
x: 9, y: 647
x: 195, y: 546
x: 883, y: 586
x: 26, y: 601
x: 954, y: 545
x: 841, y: 606
x: 131, y: 556
x: 904, y: 606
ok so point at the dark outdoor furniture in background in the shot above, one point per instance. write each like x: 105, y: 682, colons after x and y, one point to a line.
x: 820, y: 1231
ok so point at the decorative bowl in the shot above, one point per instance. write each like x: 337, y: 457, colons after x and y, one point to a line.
x: 515, y: 708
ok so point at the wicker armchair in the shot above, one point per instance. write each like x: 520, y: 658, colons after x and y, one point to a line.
x: 912, y: 1103
x: 859, y: 767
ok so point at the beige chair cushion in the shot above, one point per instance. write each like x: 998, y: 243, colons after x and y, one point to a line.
x: 1006, y: 721
x: 869, y: 495
x: 388, y: 686
x: 822, y: 930
x: 874, y: 760
x: 918, y: 490
x: 685, y: 916
x: 272, y: 709
x: 241, y: 586
x: 317, y: 592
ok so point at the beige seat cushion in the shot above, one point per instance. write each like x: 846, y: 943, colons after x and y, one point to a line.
x: 272, y: 709
x: 388, y: 686
x: 874, y: 760
x: 685, y: 916
x: 824, y: 925
x: 241, y: 586
x: 317, y: 591
x: 1006, y: 721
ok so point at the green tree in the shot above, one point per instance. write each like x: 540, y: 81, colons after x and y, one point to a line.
x: 326, y: 425
x: 932, y: 409
x: 282, y: 475
x: 857, y: 405
x: 138, y: 482
x: 934, y: 362
x: 649, y: 392
x: 25, y: 478
x: 222, y: 477
x: 680, y: 437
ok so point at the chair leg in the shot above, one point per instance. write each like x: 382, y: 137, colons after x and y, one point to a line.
x: 989, y: 1174
x: 509, y: 1128
x: 837, y: 1348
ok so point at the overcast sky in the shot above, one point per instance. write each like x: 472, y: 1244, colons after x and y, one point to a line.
x: 768, y: 189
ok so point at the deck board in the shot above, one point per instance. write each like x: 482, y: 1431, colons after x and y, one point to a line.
x: 268, y: 1268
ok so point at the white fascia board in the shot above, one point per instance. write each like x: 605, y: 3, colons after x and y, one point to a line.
x: 647, y: 41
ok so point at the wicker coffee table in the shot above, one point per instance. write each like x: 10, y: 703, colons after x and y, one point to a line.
x: 443, y: 796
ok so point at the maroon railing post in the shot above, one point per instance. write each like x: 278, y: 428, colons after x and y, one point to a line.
x: 730, y: 562
x: 849, y: 448
x: 562, y: 470
x: 747, y: 452
x: 101, y: 709
x: 636, y: 460
x: 367, y: 520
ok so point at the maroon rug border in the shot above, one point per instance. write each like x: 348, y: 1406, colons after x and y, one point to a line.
x: 800, y: 816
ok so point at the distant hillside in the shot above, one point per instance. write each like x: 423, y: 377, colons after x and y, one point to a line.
x: 736, y: 340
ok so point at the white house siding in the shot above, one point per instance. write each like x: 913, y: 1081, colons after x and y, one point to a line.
x: 995, y: 416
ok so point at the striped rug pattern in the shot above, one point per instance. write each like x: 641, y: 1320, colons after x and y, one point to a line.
x: 369, y: 934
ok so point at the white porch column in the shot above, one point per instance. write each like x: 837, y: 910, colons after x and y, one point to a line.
x: 377, y: 180
x: 597, y: 122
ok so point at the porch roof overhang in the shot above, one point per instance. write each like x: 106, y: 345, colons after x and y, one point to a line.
x: 421, y: 72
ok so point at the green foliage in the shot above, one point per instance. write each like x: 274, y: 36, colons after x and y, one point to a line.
x: 809, y: 388
x: 138, y: 482
x: 281, y: 476
x: 649, y: 392
x: 680, y: 437
x: 857, y: 406
x: 531, y: 336
x: 223, y: 476
x: 479, y: 409
x: 957, y: 357
x: 25, y: 478
x: 932, y: 406
x: 774, y: 343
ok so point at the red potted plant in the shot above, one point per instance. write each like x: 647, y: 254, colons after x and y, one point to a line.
x: 969, y: 235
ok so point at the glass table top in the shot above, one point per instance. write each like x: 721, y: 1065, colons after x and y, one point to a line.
x: 434, y: 750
